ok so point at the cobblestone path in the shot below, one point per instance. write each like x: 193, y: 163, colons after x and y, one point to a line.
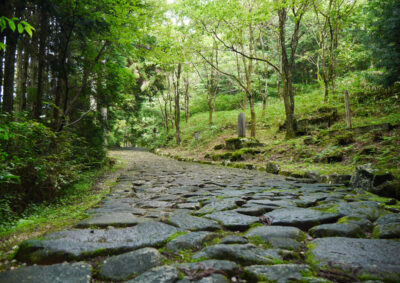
x: 170, y: 221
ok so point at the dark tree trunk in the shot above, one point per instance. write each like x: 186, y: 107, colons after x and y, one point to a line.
x: 57, y: 103
x: 1, y: 64
x: 9, y: 71
x: 38, y: 105
x: 20, y: 66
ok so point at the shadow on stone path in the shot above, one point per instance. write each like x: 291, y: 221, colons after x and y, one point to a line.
x: 170, y: 221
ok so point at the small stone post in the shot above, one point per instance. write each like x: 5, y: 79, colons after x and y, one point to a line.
x: 241, y: 125
x: 348, y: 112
x: 196, y: 138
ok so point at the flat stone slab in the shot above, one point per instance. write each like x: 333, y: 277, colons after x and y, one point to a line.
x: 193, y: 240
x: 188, y: 222
x: 273, y: 203
x: 376, y: 258
x: 285, y: 243
x: 188, y: 205
x: 111, y: 219
x: 387, y: 231
x: 156, y: 204
x: 368, y: 209
x: 124, y: 266
x: 253, y: 210
x: 213, y: 278
x: 268, y: 232
x: 229, y: 267
x: 160, y: 274
x: 280, y: 273
x: 78, y: 272
x: 84, y: 243
x: 234, y: 239
x: 247, y: 254
x: 233, y: 220
x: 219, y: 205
x: 392, y: 218
x: 303, y: 218
x: 364, y: 223
x: 336, y: 229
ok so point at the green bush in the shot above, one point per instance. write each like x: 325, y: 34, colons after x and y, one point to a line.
x: 37, y: 162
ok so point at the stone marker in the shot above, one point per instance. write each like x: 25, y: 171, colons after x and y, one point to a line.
x: 241, y: 125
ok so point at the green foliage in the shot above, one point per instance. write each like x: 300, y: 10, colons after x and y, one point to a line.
x: 14, y: 24
x: 38, y: 163
x: 383, y: 24
x: 224, y: 102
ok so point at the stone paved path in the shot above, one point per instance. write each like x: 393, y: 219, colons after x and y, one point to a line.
x: 169, y: 221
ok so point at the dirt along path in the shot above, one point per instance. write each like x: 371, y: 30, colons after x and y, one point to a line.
x: 170, y: 221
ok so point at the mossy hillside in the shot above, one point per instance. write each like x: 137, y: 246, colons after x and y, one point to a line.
x: 340, y: 153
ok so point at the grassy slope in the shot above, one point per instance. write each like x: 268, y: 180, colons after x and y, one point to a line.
x: 293, y: 154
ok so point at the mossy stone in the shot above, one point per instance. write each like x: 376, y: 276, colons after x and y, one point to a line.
x: 345, y: 139
x: 219, y: 147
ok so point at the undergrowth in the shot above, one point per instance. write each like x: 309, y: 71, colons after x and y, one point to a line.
x: 67, y: 209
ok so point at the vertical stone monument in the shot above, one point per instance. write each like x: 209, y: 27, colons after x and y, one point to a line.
x: 241, y: 125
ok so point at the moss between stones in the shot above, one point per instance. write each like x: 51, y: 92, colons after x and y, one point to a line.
x: 309, y: 257
x: 301, y: 237
x: 258, y: 241
x: 375, y: 232
x: 176, y: 235
x: 331, y: 209
x: 369, y: 277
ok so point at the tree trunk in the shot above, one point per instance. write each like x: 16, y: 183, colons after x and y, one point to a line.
x: 244, y: 101
x: 177, y: 105
x: 290, y: 121
x: 24, y: 80
x: 164, y: 113
x: 264, y: 107
x: 212, y: 83
x: 253, y: 117
x: 326, y: 85
x: 265, y: 76
x: 248, y: 68
x: 169, y: 99
x: 1, y: 67
x: 211, y: 108
x: 288, y: 97
x: 279, y: 77
x: 18, y: 92
x: 187, y: 100
x: 210, y: 114
x: 9, y: 71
